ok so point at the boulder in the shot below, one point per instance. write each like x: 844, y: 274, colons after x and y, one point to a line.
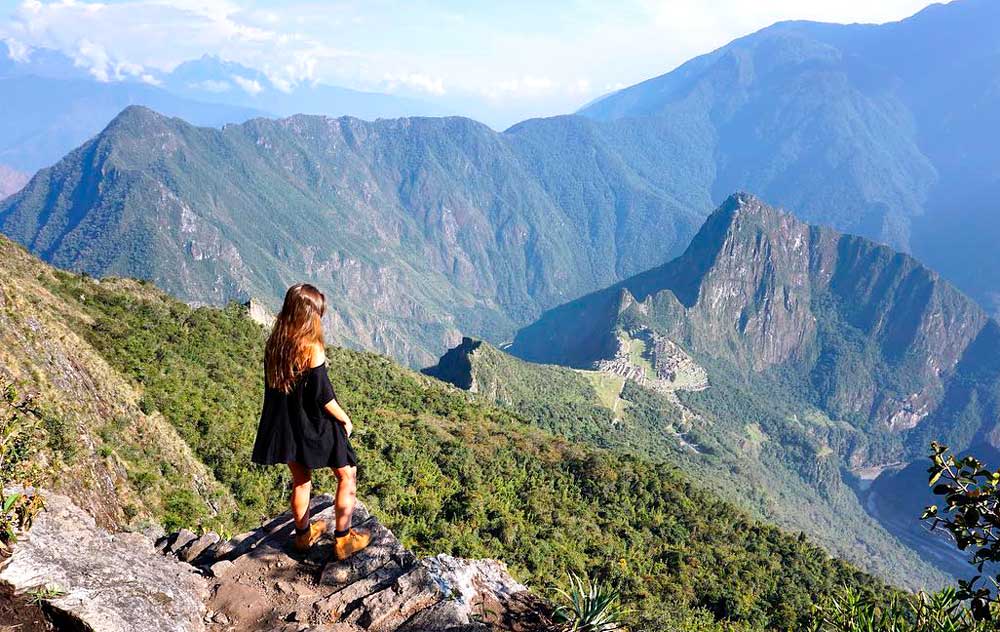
x: 101, y: 581
x: 261, y: 583
x: 197, y: 547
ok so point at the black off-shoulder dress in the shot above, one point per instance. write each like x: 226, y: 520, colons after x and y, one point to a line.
x: 296, y: 426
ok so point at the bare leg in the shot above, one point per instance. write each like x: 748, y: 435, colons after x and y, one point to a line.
x: 347, y: 495
x: 301, y: 488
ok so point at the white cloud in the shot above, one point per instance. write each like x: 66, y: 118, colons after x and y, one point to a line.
x: 211, y: 85
x: 466, y: 53
x: 250, y: 86
x: 414, y: 80
x: 18, y: 51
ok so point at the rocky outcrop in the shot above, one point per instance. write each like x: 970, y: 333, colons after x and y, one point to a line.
x: 100, y: 581
x: 258, y: 582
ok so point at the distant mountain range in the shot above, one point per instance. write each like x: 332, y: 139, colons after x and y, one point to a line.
x: 887, y: 131
x: 51, y: 105
x: 886, y: 354
x: 418, y: 228
x: 457, y: 229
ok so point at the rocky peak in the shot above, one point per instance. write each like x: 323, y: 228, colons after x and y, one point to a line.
x: 759, y: 288
x: 255, y: 581
x: 455, y: 366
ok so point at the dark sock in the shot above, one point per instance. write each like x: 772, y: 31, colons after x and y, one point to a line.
x: 302, y: 530
x: 339, y: 534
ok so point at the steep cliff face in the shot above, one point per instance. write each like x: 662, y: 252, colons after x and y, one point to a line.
x: 881, y: 338
x: 103, y: 449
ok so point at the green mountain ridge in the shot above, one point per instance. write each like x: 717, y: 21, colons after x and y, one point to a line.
x: 762, y: 290
x: 150, y: 407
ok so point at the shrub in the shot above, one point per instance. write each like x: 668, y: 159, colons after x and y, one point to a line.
x: 971, y: 515
x: 590, y: 607
x: 20, y: 438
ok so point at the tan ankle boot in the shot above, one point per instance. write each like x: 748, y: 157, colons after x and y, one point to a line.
x: 348, y: 545
x: 304, y: 541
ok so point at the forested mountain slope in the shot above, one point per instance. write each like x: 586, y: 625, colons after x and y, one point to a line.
x: 446, y: 474
x: 767, y: 451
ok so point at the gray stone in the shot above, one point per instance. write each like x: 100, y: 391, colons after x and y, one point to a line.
x: 180, y: 540
x: 220, y: 568
x: 196, y: 548
x: 384, y: 548
x: 110, y: 582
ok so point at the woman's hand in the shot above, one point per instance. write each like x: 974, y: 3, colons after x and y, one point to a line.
x: 333, y: 407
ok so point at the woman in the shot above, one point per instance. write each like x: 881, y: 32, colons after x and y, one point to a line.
x: 302, y: 425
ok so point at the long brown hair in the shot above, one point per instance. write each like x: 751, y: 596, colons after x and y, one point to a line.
x: 298, y: 327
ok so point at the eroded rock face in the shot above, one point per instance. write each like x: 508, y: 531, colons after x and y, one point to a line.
x: 106, y: 582
x: 260, y: 583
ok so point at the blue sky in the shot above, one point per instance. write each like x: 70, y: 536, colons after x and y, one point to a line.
x: 498, y: 61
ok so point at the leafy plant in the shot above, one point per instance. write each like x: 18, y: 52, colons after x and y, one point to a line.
x: 20, y: 439
x: 590, y: 607
x: 852, y: 611
x: 971, y: 515
x: 38, y: 596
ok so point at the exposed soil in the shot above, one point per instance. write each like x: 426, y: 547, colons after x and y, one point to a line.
x: 18, y: 614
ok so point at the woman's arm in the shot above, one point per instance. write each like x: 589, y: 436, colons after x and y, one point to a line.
x: 332, y: 407
x: 340, y: 415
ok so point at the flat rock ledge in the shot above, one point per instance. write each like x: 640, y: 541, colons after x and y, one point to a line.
x: 102, y: 582
x: 258, y: 582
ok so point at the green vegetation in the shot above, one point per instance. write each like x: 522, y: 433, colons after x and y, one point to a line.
x: 453, y: 475
x: 608, y: 388
x: 21, y: 437
x: 971, y: 515
x: 588, y: 606
x: 855, y: 612
x: 752, y: 439
x: 637, y: 354
x: 38, y: 596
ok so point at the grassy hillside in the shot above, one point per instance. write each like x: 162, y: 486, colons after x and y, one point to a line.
x: 446, y: 473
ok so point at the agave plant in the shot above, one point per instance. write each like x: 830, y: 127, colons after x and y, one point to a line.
x: 590, y: 607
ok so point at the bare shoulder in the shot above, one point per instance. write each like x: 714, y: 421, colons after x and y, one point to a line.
x: 318, y: 355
